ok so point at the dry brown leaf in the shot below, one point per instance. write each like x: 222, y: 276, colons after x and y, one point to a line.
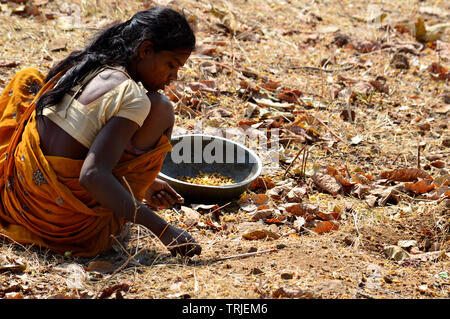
x: 261, y: 233
x: 365, y: 46
x: 308, y: 211
x: 261, y: 199
x: 290, y: 96
x: 438, y: 164
x: 205, y: 49
x: 438, y: 72
x: 405, y: 175
x: 420, y: 187
x: 191, y: 217
x: 101, y: 266
x: 382, y: 196
x: 325, y: 226
x: 329, y: 216
x: 363, y: 88
x: 327, y: 183
x: 296, y: 194
x: 263, y: 214
x: 275, y: 221
x: 203, y: 86
x: 114, y: 289
x: 215, y: 225
x: 261, y: 184
x: 380, y: 84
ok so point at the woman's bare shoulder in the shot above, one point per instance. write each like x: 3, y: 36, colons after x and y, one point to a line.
x: 104, y: 82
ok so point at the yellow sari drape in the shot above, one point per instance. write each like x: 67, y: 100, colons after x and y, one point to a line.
x: 41, y: 199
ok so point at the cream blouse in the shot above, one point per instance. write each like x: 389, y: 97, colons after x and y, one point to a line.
x: 84, y: 122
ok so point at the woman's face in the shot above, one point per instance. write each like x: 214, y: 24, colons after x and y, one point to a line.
x: 157, y: 69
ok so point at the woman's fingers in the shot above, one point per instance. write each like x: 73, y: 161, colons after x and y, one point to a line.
x: 171, y: 191
x: 156, y: 203
x: 182, y: 243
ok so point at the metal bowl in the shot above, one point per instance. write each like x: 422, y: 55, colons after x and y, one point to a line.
x: 195, y: 153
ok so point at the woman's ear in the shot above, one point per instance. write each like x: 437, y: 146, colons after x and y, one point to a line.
x: 145, y: 49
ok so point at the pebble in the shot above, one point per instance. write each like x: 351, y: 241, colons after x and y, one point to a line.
x: 423, y: 288
x: 287, y: 276
x: 256, y: 271
x: 446, y: 142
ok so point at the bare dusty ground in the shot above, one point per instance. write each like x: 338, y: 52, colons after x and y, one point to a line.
x: 388, y: 111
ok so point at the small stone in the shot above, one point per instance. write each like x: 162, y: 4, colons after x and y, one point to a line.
x: 287, y: 276
x: 256, y: 271
x: 341, y: 39
x: 400, y: 61
x: 423, y: 288
x: 446, y: 142
x: 349, y: 240
x: 387, y: 279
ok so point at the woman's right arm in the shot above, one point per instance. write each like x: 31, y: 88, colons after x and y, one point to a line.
x: 97, y: 178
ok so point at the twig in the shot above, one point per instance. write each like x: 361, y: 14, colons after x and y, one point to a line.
x: 245, y: 255
x: 419, y: 147
x: 295, y: 158
x: 313, y: 68
x: 15, y: 242
x: 215, y: 210
x: 135, y: 207
x: 305, y: 160
x: 120, y: 245
x: 396, y: 158
x: 359, y: 292
x: 330, y: 130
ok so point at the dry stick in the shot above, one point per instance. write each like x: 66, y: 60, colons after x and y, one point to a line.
x: 368, y: 296
x: 330, y: 130
x: 290, y: 165
x: 419, y: 147
x: 245, y: 255
x: 135, y: 207
x: 347, y: 170
x: 120, y: 245
x: 15, y: 242
x: 305, y: 160
x: 396, y: 158
x: 221, y: 207
x: 313, y: 68
x: 303, y: 164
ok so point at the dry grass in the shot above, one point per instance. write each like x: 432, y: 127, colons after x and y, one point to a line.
x: 277, y: 41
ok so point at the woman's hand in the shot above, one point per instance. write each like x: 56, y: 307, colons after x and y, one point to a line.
x: 160, y: 195
x: 179, y: 241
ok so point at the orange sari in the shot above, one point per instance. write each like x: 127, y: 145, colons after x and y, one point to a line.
x: 41, y: 199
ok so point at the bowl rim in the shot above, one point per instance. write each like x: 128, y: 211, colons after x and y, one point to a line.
x: 236, y: 185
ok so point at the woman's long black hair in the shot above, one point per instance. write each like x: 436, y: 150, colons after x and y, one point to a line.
x: 117, y: 45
